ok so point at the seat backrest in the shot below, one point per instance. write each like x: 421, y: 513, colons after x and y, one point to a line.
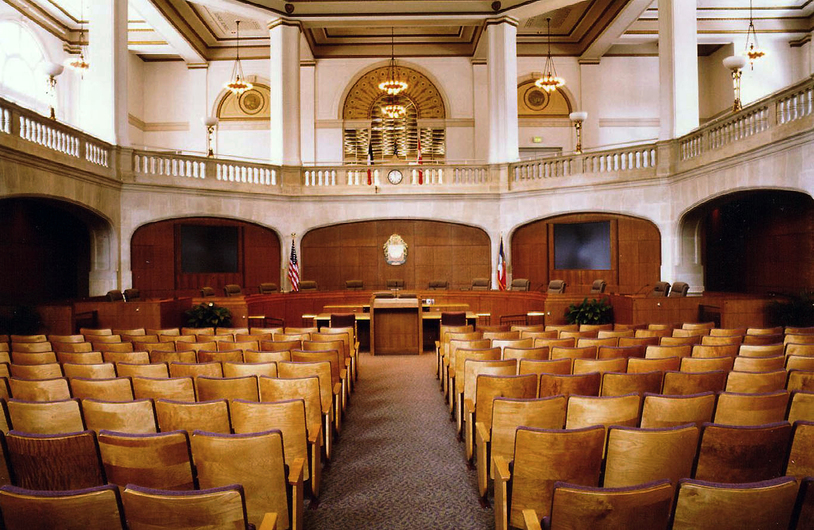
x: 308, y: 285
x: 79, y: 509
x: 585, y: 411
x: 115, y: 295
x: 684, y: 383
x: 480, y: 284
x: 354, y: 285
x: 209, y: 388
x: 620, y: 383
x: 67, y: 461
x: 730, y: 453
x: 702, y: 505
x: 530, y: 353
x: 544, y: 366
x: 489, y: 387
x: 668, y: 411
x: 304, y: 388
x: 751, y: 409
x: 209, y: 416
x: 477, y: 365
x: 267, y: 288
x: 130, y: 369
x: 756, y: 382
x: 660, y: 289
x: 644, y: 505
x: 342, y: 320
x: 556, y: 287
x: 679, y: 289
x: 41, y: 390
x: 543, y: 457
x: 267, y: 368
x: 222, y: 507
x: 135, y: 417
x: 287, y: 416
x: 177, y: 388
x: 520, y: 284
x: 232, y: 289
x: 636, y: 455
x: 322, y: 370
x: 90, y: 371
x: 438, y: 285
x: 598, y: 287
x: 395, y: 284
x: 113, y: 389
x: 510, y: 413
x: 453, y: 318
x: 132, y: 295
x: 207, y: 292
x: 801, y: 457
x: 579, y: 385
x: 157, y: 460
x: 253, y: 460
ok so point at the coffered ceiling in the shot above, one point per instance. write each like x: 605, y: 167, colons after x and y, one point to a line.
x: 203, y: 30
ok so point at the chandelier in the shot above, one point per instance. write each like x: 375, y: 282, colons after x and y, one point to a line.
x: 79, y: 63
x: 238, y: 83
x: 753, y: 52
x: 394, y: 110
x: 549, y: 81
x: 393, y: 85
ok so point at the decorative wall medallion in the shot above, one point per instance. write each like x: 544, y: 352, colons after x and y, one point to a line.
x: 395, y: 250
x: 251, y: 102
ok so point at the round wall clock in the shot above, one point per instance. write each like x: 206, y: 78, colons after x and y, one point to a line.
x: 395, y: 176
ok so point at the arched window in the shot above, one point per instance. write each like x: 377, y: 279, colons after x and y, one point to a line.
x: 394, y: 140
x: 21, y: 61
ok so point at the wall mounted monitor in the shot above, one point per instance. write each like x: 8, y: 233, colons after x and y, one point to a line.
x: 209, y: 248
x: 582, y: 246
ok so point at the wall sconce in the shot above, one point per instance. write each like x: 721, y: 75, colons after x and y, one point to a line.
x: 578, y: 117
x: 211, y: 122
x: 52, y: 70
x: 735, y: 63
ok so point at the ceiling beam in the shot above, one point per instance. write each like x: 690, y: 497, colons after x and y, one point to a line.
x: 613, y: 31
x: 164, y: 27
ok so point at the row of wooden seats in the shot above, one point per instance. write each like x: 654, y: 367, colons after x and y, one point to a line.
x: 133, y: 507
x: 630, y: 457
x: 262, y: 457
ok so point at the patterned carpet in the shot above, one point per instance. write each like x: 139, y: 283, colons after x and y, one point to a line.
x: 398, y: 464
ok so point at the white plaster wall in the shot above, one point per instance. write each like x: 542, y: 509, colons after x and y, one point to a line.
x: 773, y: 72
x: 135, y: 96
x: 715, y: 93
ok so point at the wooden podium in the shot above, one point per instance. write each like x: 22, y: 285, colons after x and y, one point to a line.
x: 395, y: 326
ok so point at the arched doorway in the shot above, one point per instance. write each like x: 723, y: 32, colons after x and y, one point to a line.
x: 756, y: 242
x: 46, y: 250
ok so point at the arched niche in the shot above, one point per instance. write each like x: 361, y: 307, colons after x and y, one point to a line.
x: 533, y: 102
x: 53, y: 250
x: 252, y: 105
x: 634, y: 253
x: 754, y: 241
x: 436, y: 250
x: 161, y: 269
x: 393, y: 140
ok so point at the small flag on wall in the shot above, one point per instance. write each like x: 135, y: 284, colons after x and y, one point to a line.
x: 369, y: 161
x: 501, y: 267
x: 418, y: 160
x: 294, y: 269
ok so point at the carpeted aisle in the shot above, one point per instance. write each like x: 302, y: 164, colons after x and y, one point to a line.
x: 398, y: 464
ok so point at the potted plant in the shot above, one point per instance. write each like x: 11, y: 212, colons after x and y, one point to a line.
x: 590, y: 312
x: 207, y: 315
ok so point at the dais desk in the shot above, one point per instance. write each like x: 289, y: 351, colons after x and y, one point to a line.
x: 395, y: 326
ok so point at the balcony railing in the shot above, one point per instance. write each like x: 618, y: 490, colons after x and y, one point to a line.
x: 778, y: 116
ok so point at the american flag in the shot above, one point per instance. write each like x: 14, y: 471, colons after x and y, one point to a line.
x: 294, y: 269
x: 370, y: 160
x: 419, y: 161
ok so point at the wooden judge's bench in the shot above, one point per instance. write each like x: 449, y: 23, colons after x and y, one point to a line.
x: 482, y: 307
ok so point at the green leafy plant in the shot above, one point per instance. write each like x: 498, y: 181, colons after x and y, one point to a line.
x: 207, y: 315
x: 797, y: 311
x: 593, y: 312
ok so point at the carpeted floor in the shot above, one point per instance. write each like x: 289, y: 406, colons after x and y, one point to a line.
x: 398, y: 464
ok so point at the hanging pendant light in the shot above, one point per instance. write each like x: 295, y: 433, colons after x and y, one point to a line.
x: 549, y: 81
x: 79, y: 63
x: 393, y: 85
x: 238, y: 83
x: 753, y: 52
x: 392, y: 109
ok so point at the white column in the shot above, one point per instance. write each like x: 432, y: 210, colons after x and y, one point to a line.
x: 308, y: 111
x: 678, y: 68
x: 284, y: 75
x: 105, y: 112
x: 480, y: 111
x: 501, y: 36
x: 197, y: 78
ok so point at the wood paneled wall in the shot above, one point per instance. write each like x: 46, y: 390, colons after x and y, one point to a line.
x: 45, y: 252
x: 635, y: 254
x: 760, y: 242
x: 435, y: 251
x: 156, y: 259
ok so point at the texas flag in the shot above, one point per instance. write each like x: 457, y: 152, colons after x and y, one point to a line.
x: 418, y: 160
x: 501, y: 268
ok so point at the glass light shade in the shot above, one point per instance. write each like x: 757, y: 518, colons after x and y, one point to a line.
x: 52, y: 69
x: 579, y: 115
x: 210, y: 121
x: 734, y: 62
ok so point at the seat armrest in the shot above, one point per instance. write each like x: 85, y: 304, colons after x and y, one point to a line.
x: 530, y: 520
x: 295, y: 472
x: 502, y: 477
x: 269, y: 521
x: 482, y: 434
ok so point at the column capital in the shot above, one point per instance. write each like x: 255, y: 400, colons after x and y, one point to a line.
x: 505, y: 19
x: 284, y: 22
